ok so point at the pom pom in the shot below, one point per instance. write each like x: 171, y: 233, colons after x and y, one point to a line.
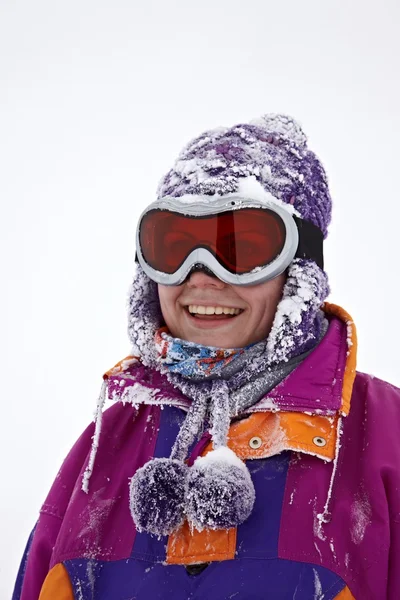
x: 157, y: 496
x: 284, y: 126
x: 220, y: 491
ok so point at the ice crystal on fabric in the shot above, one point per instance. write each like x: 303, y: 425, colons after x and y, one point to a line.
x: 96, y: 437
x: 157, y: 496
x: 191, y: 428
x: 222, y: 455
x: 220, y: 414
x: 325, y: 516
x: 220, y: 494
x: 318, y: 595
x: 361, y: 514
x: 297, y: 323
x: 283, y: 125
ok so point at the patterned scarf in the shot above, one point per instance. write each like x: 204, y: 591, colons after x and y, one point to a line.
x: 193, y: 361
x: 192, y: 367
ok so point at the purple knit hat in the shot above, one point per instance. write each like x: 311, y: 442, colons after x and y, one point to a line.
x: 272, y: 149
x: 265, y: 158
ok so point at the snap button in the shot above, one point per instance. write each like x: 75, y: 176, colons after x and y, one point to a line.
x: 255, y: 442
x: 319, y: 441
x: 196, y: 569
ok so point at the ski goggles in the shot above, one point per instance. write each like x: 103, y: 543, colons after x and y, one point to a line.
x: 243, y: 242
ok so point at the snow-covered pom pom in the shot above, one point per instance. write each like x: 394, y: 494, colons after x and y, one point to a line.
x: 220, y: 491
x: 157, y: 496
x: 283, y: 125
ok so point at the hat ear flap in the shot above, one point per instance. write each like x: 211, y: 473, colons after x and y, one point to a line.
x: 298, y: 320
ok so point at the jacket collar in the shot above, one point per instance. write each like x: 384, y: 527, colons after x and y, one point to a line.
x: 321, y: 384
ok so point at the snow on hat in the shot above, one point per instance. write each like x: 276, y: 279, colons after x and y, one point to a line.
x: 272, y: 150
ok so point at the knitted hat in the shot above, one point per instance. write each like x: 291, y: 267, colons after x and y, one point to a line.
x: 265, y: 158
x: 273, y: 150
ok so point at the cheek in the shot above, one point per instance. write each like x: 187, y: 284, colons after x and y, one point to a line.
x: 261, y: 308
x: 264, y: 298
x: 256, y: 299
x: 168, y: 297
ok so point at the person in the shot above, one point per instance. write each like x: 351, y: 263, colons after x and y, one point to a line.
x: 243, y: 456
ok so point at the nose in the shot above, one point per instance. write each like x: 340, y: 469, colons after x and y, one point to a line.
x: 201, y: 279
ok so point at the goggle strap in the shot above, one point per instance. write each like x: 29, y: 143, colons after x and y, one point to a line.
x: 311, y: 241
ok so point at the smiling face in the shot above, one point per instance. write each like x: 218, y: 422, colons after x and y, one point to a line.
x: 197, y: 310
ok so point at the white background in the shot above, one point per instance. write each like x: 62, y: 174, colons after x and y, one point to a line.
x: 96, y: 100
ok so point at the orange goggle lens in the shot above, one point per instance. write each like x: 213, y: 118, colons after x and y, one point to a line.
x: 240, y: 240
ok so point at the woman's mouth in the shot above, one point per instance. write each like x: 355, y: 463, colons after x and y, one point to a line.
x: 213, y: 313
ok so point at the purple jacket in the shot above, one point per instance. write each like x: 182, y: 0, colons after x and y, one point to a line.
x: 326, y: 522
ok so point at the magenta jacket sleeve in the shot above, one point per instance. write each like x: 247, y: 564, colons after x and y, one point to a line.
x: 38, y: 553
x: 36, y: 559
x: 390, y: 430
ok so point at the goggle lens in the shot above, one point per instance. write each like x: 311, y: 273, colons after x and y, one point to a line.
x: 240, y: 240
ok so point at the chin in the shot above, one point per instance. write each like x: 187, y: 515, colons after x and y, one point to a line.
x: 217, y: 340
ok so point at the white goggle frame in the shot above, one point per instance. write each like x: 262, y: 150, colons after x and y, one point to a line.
x: 200, y: 256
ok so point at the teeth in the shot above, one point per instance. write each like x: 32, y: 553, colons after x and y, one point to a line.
x: 212, y: 310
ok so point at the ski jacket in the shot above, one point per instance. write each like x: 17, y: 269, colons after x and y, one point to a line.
x: 326, y: 520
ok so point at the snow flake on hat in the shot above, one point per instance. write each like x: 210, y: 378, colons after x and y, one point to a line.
x: 284, y: 126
